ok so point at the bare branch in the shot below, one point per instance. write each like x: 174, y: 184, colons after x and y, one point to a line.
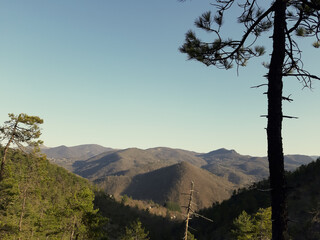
x: 291, y: 117
x: 287, y: 98
x: 261, y: 85
x: 301, y: 75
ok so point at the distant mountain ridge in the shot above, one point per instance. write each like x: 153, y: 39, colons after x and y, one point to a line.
x: 66, y: 156
x: 83, y: 152
x: 138, y: 173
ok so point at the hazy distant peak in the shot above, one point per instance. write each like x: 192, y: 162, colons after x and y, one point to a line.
x: 79, y: 152
x: 223, y: 151
x: 61, y: 146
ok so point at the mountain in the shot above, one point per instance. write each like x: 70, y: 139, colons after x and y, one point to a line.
x: 66, y: 156
x: 135, y: 171
x: 243, y: 169
x: 80, y: 152
x: 171, y: 184
x: 133, y: 161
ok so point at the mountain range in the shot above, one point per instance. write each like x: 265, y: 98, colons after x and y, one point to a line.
x: 164, y: 174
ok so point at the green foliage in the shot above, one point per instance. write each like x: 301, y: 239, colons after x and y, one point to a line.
x: 96, y: 225
x: 316, y: 44
x: 120, y: 215
x: 124, y: 199
x: 135, y: 232
x: 303, y: 207
x: 43, y: 201
x: 243, y: 227
x: 22, y: 128
x: 19, y: 130
x: 263, y: 223
x: 301, y: 31
x: 172, y: 206
x: 258, y: 226
x: 191, y: 236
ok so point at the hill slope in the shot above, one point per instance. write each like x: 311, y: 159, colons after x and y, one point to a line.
x: 133, y: 161
x: 244, y: 170
x: 40, y: 200
x: 303, y: 206
x: 238, y: 169
x: 169, y: 184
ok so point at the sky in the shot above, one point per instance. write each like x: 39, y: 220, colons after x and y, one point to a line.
x: 109, y: 72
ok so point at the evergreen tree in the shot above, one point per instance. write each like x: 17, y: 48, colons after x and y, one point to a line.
x: 256, y: 227
x: 18, y: 130
x: 243, y: 227
x: 135, y: 232
x: 288, y: 19
x: 262, y: 224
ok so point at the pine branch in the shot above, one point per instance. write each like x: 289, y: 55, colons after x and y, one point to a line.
x: 301, y: 75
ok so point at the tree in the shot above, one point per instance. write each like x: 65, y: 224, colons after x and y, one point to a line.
x: 288, y: 19
x: 257, y: 226
x: 135, y: 232
x: 19, y: 130
x: 262, y: 224
x: 243, y: 227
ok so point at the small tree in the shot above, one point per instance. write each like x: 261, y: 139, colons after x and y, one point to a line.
x: 19, y: 130
x: 243, y: 227
x: 135, y: 232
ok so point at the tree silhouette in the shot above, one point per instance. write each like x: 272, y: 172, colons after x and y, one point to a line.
x: 289, y: 20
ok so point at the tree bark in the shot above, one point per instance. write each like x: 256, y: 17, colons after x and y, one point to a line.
x: 274, y: 128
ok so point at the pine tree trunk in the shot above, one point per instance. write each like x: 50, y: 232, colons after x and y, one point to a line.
x: 274, y: 128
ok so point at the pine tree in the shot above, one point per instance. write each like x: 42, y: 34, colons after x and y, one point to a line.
x: 135, y: 232
x: 289, y: 20
x: 243, y: 227
x: 20, y: 129
x: 256, y: 227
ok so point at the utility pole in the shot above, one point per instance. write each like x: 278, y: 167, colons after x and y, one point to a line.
x: 188, y: 211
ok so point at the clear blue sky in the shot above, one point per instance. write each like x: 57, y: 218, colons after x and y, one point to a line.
x: 110, y: 73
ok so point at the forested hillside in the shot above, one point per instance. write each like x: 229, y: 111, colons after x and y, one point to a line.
x: 39, y: 200
x: 303, y: 207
